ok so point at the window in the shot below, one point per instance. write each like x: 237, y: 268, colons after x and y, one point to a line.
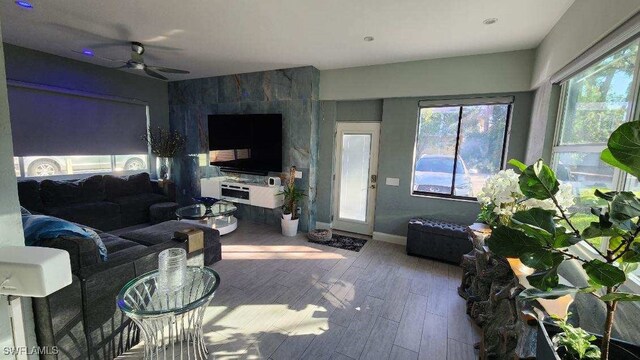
x: 595, y: 102
x: 74, y: 133
x: 473, y: 133
x: 46, y: 166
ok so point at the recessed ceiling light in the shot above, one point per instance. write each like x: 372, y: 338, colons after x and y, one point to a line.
x: 24, y: 4
x: 368, y: 38
x: 490, y: 21
x: 87, y: 52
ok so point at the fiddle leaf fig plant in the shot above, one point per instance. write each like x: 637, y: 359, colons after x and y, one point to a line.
x: 541, y: 236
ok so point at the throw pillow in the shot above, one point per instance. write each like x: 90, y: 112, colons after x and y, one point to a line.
x: 41, y: 227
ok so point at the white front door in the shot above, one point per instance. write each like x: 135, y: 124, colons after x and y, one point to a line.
x: 355, y: 185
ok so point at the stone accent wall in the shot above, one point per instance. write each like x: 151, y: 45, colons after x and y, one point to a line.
x: 290, y: 92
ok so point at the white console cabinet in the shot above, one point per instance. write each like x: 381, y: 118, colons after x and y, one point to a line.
x: 253, y: 194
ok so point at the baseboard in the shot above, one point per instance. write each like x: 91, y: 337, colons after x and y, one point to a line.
x: 390, y: 238
x: 323, y: 225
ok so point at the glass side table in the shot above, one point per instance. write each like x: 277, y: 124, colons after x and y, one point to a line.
x: 219, y: 216
x: 170, y: 321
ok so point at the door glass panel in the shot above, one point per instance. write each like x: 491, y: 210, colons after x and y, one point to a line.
x: 435, y: 149
x: 354, y: 178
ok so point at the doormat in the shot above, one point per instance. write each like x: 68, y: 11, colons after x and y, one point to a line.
x: 343, y: 242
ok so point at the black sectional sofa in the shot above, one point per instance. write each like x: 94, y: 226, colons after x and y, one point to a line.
x: 103, y: 202
x: 82, y: 320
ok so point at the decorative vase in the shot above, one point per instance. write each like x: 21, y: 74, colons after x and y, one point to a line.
x: 172, y: 269
x: 289, y: 227
x: 163, y: 168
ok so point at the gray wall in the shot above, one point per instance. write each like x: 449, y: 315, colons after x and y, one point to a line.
x: 394, y: 205
x: 41, y: 68
x: 581, y: 26
x: 487, y: 73
x: 10, y: 221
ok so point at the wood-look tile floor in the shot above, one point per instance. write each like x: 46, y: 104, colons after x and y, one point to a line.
x: 285, y: 298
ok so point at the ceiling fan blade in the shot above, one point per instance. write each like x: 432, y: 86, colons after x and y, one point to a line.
x: 154, y: 74
x: 168, y: 70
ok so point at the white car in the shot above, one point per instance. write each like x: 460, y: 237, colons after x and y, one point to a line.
x: 63, y: 165
x: 434, y: 174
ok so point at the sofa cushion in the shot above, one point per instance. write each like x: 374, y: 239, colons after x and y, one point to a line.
x: 94, y: 214
x: 29, y: 195
x: 41, y: 227
x: 135, y: 208
x: 117, y: 246
x: 127, y: 185
x: 66, y: 192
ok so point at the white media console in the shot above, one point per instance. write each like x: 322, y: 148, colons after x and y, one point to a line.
x: 254, y: 194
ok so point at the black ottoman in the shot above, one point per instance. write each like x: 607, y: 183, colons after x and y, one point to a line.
x: 161, y: 212
x: 438, y: 240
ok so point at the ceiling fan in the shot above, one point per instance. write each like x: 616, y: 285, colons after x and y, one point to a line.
x: 136, y: 62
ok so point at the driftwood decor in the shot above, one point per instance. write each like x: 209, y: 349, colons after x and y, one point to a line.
x: 491, y: 289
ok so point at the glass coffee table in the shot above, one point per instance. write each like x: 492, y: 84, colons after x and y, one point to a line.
x: 170, y: 321
x: 219, y: 216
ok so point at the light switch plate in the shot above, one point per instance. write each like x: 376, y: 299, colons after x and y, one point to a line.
x: 393, y: 181
x: 298, y: 174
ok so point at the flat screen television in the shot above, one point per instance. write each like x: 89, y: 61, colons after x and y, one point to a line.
x: 246, y: 143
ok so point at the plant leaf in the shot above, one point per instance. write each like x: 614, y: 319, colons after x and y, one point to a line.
x: 538, y: 181
x: 542, y: 260
x: 539, y: 218
x: 624, y: 146
x: 608, y: 196
x: 509, y: 242
x: 544, y: 279
x: 603, y: 273
x: 624, y: 206
x: 517, y: 164
x: 620, y: 296
x: 556, y: 292
x: 564, y: 239
x: 607, y: 157
x: 596, y: 230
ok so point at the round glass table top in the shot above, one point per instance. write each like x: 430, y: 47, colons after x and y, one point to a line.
x: 141, y: 297
x: 199, y: 211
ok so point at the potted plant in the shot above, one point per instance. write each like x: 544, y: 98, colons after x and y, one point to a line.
x: 535, y: 226
x: 292, y: 196
x: 165, y: 145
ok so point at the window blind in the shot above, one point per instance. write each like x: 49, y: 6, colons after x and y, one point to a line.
x: 52, y: 121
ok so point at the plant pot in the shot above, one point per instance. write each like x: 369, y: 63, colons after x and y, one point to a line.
x: 163, y: 168
x: 289, y: 227
x: 286, y: 216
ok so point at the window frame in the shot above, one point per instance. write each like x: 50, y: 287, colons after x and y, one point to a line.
x: 619, y: 178
x: 460, y: 103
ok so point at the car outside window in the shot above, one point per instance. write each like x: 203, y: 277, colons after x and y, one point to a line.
x: 473, y: 134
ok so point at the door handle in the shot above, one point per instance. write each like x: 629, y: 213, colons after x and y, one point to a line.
x: 373, y: 186
x: 374, y: 178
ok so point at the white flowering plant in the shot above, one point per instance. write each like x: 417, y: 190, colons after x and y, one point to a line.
x: 501, y: 197
x: 533, y: 223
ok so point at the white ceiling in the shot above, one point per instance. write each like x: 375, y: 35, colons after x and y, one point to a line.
x: 218, y: 37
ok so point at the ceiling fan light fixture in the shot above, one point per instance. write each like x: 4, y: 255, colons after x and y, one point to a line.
x: 24, y: 4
